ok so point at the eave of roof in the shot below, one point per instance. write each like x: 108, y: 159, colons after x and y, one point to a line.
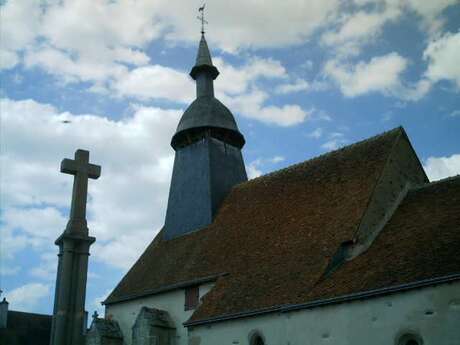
x: 334, y: 300
x: 166, y: 288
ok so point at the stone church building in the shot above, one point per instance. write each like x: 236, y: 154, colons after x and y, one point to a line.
x: 352, y: 247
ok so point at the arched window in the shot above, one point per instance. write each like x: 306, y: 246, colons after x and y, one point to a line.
x: 409, y: 339
x: 258, y: 341
x: 256, y: 338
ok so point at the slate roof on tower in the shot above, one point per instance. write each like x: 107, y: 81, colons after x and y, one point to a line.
x: 274, y: 237
x: 206, y: 111
x: 203, y: 60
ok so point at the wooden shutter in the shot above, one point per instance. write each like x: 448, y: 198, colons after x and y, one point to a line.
x: 192, y: 295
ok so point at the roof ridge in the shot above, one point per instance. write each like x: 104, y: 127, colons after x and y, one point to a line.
x: 29, y: 313
x: 455, y: 178
x: 377, y: 182
x: 325, y: 155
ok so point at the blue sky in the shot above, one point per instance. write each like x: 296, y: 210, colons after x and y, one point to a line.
x: 301, y: 77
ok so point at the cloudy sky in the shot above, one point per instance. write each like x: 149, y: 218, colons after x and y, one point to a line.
x: 302, y: 78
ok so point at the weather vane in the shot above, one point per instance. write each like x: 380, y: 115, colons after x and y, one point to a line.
x: 201, y: 18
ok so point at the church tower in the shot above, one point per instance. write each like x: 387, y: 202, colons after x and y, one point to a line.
x: 208, y: 160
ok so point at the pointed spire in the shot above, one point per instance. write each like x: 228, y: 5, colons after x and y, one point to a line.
x: 203, y: 57
x: 204, y: 61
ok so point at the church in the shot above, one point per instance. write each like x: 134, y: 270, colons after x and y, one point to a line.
x: 352, y: 247
x: 355, y: 246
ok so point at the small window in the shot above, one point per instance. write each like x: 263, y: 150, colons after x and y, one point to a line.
x: 192, y: 296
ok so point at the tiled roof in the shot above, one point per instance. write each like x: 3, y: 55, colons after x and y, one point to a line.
x: 274, y: 236
x: 421, y: 241
x: 26, y: 328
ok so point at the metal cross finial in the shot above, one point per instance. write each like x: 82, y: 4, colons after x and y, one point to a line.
x: 201, y: 18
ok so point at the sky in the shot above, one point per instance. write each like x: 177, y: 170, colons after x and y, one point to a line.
x: 301, y: 77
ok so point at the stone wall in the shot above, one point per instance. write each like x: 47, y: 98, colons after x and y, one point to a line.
x: 431, y: 313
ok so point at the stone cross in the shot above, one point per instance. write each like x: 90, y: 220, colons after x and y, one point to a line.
x: 82, y: 170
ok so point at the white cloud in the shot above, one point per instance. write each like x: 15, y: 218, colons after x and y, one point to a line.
x: 238, y: 89
x: 31, y: 227
x: 47, y: 267
x: 334, y: 141
x: 8, y: 59
x: 160, y: 82
x: 72, y: 69
x: 56, y: 39
x: 117, y: 32
x: 106, y: 24
x: 27, y: 297
x: 442, y: 55
x: 321, y: 115
x: 441, y: 167
x: 286, y: 115
x: 46, y: 223
x: 277, y: 159
x: 126, y: 205
x: 245, y: 23
x: 333, y: 144
x: 20, y: 23
x: 381, y: 74
x: 364, y: 25
x: 316, y: 134
x: 100, y: 41
x: 252, y: 24
x: 308, y: 64
x: 430, y: 11
x: 359, y: 28
x: 414, y: 91
x: 97, y: 303
x: 53, y: 38
x: 112, y: 56
x: 9, y: 270
x: 109, y: 252
x: 254, y: 169
x: 455, y: 113
x: 297, y: 86
x: 156, y: 82
x: 251, y: 105
x: 236, y: 80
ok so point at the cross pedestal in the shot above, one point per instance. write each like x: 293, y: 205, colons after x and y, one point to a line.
x: 69, y: 318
